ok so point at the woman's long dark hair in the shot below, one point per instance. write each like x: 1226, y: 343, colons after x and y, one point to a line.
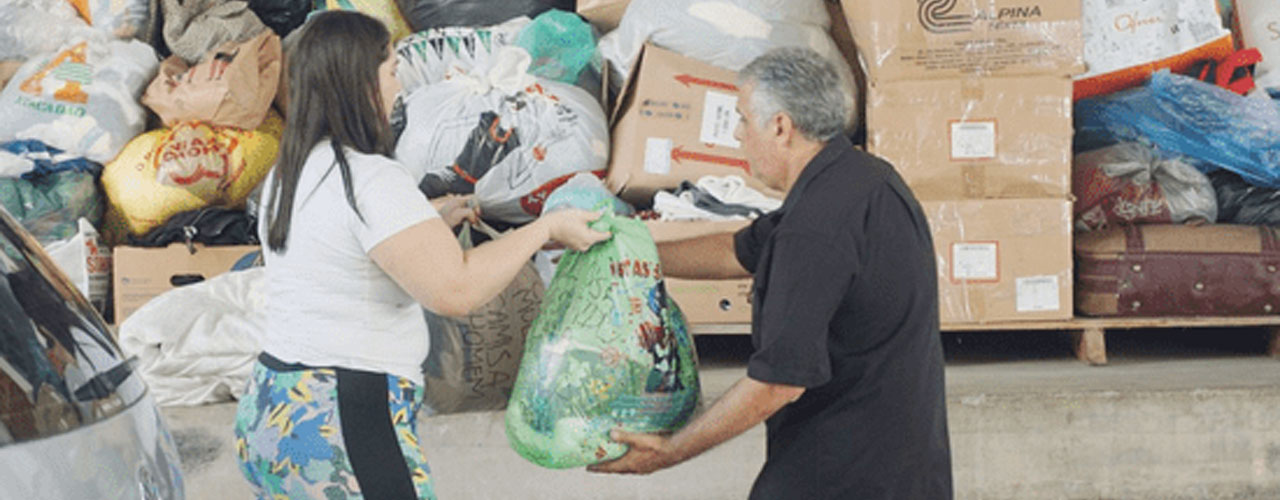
x: 333, y: 93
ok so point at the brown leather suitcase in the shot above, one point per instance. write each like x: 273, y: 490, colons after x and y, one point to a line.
x: 1178, y: 270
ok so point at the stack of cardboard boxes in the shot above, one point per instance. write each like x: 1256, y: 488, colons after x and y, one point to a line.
x: 971, y: 102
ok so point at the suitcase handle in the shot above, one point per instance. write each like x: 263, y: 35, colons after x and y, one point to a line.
x: 1270, y: 243
x: 1135, y: 248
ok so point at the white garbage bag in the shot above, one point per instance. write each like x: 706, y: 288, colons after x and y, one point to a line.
x: 82, y: 99
x: 30, y: 28
x: 437, y: 54
x: 504, y: 135
x: 725, y: 33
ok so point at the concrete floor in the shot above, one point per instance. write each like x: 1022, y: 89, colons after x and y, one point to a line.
x: 1177, y: 414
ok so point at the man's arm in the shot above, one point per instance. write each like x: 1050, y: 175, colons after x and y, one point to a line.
x: 709, y: 257
x: 747, y: 403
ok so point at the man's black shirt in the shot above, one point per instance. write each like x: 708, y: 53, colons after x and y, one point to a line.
x: 846, y: 305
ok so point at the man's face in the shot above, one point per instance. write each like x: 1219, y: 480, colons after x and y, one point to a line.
x: 759, y: 143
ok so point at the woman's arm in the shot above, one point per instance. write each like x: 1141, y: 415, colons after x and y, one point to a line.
x: 426, y: 260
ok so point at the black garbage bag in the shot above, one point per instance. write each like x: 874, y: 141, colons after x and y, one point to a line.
x: 208, y: 225
x: 1240, y: 202
x: 427, y: 14
x: 282, y: 16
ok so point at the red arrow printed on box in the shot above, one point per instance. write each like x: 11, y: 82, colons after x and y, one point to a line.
x: 679, y: 153
x: 688, y: 80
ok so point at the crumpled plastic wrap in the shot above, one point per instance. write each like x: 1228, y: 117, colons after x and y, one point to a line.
x: 1179, y: 115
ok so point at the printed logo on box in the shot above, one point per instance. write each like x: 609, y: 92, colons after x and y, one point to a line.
x: 937, y: 16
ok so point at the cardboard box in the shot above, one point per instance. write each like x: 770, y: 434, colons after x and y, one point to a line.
x: 603, y: 14
x: 705, y: 301
x: 1002, y: 260
x: 675, y: 122
x: 143, y: 273
x: 975, y: 138
x: 924, y: 39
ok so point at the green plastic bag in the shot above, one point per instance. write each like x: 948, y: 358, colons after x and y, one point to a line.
x: 49, y: 204
x: 562, y: 46
x: 608, y: 350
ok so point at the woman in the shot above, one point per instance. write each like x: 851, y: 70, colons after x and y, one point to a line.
x: 354, y: 252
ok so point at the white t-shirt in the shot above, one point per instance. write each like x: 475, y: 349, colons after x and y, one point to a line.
x: 328, y: 303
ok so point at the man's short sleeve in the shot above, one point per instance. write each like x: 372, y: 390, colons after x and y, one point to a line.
x: 808, y: 277
x: 749, y: 241
x: 389, y: 201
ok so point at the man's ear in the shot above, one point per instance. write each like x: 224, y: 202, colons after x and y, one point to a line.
x: 782, y: 127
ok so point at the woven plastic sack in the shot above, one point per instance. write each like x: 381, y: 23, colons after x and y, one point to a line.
x: 437, y: 54
x: 120, y: 18
x: 610, y: 349
x: 430, y: 14
x: 474, y: 360
x: 1128, y: 184
x: 82, y: 99
x: 382, y: 10
x: 1180, y: 116
x: 725, y: 33
x: 502, y: 135
x: 169, y: 171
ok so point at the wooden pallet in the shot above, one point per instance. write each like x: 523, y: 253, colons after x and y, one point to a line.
x: 1089, y: 334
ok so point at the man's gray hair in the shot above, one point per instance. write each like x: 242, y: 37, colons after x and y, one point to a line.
x: 803, y: 85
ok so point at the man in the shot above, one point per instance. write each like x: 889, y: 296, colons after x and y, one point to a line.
x: 848, y: 365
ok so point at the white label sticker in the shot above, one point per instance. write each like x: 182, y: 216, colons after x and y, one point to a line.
x: 719, y: 119
x: 657, y: 156
x: 1038, y: 293
x: 975, y: 261
x: 973, y: 140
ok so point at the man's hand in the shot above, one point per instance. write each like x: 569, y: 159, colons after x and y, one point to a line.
x: 648, y: 453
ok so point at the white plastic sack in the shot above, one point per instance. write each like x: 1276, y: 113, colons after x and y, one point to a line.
x: 1260, y: 28
x: 725, y: 33
x: 86, y: 261
x: 197, y: 344
x: 82, y: 99
x: 30, y: 28
x: 504, y: 135
x: 435, y: 55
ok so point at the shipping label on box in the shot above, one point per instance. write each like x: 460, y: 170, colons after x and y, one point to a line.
x: 675, y: 122
x: 144, y: 273
x: 975, y: 139
x: 1002, y: 260
x: 924, y: 39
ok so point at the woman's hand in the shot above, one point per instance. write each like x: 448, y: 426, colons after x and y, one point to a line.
x: 569, y: 228
x: 456, y: 208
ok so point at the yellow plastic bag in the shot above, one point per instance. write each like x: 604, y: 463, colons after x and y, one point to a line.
x: 193, y: 165
x: 382, y: 10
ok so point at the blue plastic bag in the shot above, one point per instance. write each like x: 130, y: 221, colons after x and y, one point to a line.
x: 1182, y: 116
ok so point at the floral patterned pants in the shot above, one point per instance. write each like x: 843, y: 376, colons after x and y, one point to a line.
x: 330, y: 433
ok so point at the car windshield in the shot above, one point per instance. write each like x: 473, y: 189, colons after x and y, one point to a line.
x: 60, y: 369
